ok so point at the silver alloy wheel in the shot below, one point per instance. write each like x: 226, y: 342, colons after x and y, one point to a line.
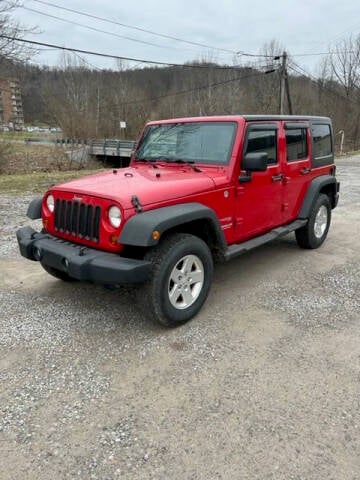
x: 186, y: 282
x: 321, y: 221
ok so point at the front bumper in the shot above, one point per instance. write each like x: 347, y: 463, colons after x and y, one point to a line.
x: 80, y: 262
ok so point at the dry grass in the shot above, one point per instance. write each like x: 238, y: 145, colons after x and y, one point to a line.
x: 22, y: 135
x: 37, y: 182
x: 18, y: 157
x: 22, y: 147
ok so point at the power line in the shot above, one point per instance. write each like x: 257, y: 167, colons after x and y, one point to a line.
x: 151, y: 32
x: 339, y: 35
x: 140, y: 29
x: 94, y: 29
x: 246, y: 54
x: 307, y: 54
x: 301, y: 71
x: 107, y: 20
x: 88, y: 63
x: 118, y: 57
x: 78, y: 24
x: 320, y: 53
x: 239, y: 52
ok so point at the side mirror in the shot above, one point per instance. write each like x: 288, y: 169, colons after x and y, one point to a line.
x: 255, y: 162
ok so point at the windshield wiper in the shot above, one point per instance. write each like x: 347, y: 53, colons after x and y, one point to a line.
x: 147, y: 160
x: 188, y: 162
x: 164, y: 159
x: 168, y: 160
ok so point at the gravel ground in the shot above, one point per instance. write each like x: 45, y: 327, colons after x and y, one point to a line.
x: 262, y: 384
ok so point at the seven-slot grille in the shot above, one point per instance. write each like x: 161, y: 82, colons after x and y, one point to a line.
x: 78, y: 219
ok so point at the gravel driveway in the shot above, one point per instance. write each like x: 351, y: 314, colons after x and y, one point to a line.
x: 262, y: 384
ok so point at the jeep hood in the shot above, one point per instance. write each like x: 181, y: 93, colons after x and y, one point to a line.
x: 150, y: 185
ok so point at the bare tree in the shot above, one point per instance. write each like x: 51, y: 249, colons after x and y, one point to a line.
x: 73, y: 104
x: 344, y: 64
x: 340, y: 85
x: 266, y: 89
x: 270, y: 51
x: 10, y: 49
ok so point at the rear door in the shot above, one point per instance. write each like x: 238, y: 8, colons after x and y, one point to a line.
x: 259, y: 201
x: 296, y: 167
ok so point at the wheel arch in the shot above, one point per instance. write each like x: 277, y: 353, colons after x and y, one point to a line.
x: 193, y: 218
x: 34, y: 208
x: 325, y: 184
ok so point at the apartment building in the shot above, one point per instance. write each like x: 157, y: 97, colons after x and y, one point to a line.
x: 11, y: 110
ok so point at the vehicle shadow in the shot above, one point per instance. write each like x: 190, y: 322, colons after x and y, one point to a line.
x: 88, y: 308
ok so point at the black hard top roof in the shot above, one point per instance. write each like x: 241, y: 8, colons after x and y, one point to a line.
x: 289, y: 118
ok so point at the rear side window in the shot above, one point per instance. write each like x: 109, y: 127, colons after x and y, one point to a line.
x: 322, y: 146
x: 296, y: 144
x: 263, y: 141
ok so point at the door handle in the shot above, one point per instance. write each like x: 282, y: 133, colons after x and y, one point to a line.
x: 277, y: 178
x: 305, y: 171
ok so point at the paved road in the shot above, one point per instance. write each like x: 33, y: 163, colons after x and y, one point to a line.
x: 263, y: 384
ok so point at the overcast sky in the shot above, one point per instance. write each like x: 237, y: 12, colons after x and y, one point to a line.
x: 302, y: 27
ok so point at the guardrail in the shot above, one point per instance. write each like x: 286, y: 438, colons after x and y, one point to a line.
x: 58, y: 141
x: 115, y: 148
x: 107, y: 147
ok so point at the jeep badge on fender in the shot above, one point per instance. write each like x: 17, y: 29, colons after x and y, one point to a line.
x: 197, y: 190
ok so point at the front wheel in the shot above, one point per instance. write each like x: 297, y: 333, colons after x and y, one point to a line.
x: 313, y: 234
x: 181, y: 279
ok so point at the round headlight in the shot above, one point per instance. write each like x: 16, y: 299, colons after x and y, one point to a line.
x: 115, y: 216
x: 50, y: 203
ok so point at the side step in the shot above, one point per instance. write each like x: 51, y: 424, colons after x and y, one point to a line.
x: 240, y: 248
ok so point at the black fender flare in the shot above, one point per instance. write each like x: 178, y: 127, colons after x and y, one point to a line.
x: 313, y: 191
x: 34, y: 208
x: 139, y: 228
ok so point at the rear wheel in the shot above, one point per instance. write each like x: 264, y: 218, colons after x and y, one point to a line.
x: 57, y: 273
x: 181, y: 279
x: 313, y: 234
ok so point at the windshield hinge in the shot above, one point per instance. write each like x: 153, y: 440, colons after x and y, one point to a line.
x: 136, y: 202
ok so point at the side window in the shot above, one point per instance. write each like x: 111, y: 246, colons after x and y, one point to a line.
x: 263, y: 141
x: 321, y: 141
x: 296, y: 144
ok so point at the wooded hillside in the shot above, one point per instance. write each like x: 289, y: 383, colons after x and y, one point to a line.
x: 86, y: 102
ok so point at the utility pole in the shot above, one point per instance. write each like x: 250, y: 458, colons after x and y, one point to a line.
x: 97, y: 112
x: 284, y: 86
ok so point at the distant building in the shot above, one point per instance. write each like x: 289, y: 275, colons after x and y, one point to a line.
x: 11, y: 110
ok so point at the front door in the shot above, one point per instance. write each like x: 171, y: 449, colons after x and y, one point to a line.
x: 259, y: 201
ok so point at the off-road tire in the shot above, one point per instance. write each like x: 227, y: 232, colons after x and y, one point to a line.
x: 166, y: 258
x: 57, y: 273
x: 306, y: 236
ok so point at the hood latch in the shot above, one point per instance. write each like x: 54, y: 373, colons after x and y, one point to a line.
x: 136, y: 202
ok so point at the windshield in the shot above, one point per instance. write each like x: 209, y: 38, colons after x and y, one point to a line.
x: 198, y: 142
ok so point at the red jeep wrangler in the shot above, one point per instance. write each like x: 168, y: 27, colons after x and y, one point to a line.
x: 197, y: 190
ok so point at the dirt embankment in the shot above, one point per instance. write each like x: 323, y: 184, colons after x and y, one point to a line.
x: 19, y: 157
